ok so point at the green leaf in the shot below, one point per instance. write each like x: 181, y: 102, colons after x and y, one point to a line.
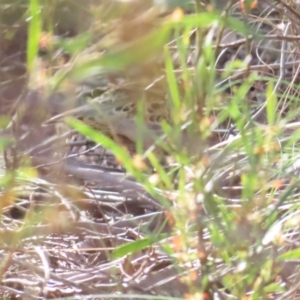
x: 98, y: 137
x: 289, y: 255
x: 172, y: 80
x: 202, y: 20
x: 274, y: 287
x: 131, y: 53
x: 135, y: 246
x: 206, y: 19
x: 160, y: 170
x: 271, y: 103
x: 34, y: 32
x: 74, y: 45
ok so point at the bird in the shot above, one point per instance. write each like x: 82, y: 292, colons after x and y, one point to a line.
x: 114, y: 113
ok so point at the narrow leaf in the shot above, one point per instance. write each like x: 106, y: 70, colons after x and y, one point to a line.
x: 136, y: 245
x: 290, y: 255
x: 173, y: 87
x: 271, y: 103
x: 34, y: 32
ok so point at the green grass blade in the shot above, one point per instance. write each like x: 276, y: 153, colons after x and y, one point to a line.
x: 34, y: 32
x: 137, y: 245
x: 131, y: 53
x: 172, y: 80
x: 271, y: 103
x: 97, y: 136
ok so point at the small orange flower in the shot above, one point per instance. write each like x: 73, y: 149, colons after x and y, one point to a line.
x: 244, y: 7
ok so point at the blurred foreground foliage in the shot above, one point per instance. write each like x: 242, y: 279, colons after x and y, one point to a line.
x: 230, y: 214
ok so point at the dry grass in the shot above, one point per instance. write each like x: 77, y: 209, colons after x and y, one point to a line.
x: 85, y: 221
